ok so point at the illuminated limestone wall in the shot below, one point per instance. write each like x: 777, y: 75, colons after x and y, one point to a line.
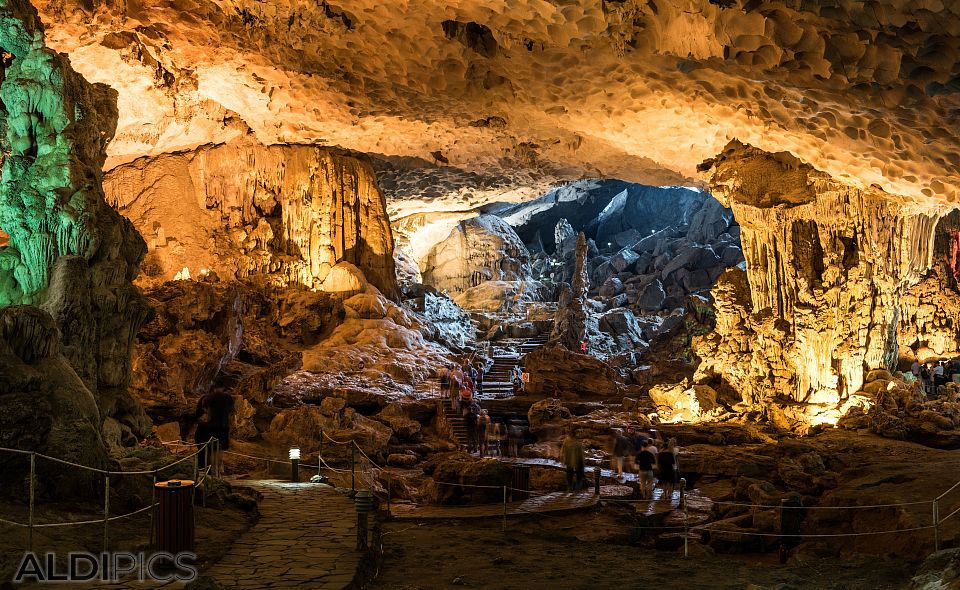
x: 286, y: 212
x: 69, y: 308
x: 826, y: 267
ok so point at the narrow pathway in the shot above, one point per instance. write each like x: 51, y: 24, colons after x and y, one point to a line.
x: 305, y: 538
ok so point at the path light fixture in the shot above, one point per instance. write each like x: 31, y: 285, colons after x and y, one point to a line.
x: 364, y: 504
x: 295, y: 464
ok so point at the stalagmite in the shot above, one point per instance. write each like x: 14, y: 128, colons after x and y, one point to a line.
x: 570, y: 326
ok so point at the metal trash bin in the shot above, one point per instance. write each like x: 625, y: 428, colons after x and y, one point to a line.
x: 175, y: 526
x: 521, y: 483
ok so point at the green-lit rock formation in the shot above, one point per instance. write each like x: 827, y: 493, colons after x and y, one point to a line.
x: 69, y: 253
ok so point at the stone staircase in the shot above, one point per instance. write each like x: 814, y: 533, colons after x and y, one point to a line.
x: 457, y: 424
x: 506, y: 356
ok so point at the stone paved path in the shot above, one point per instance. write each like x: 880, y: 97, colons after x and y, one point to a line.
x: 305, y: 538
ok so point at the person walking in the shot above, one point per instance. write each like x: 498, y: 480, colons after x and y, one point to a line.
x: 646, y: 459
x: 471, y: 418
x: 621, y: 446
x: 668, y: 468
x: 571, y: 452
x: 516, y: 438
x: 483, y: 424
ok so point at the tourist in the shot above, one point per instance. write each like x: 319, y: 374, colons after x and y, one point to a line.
x: 571, y: 453
x: 479, y: 378
x: 444, y: 378
x: 466, y: 397
x: 667, y: 466
x: 216, y: 409
x: 515, y: 433
x: 621, y: 447
x: 938, y: 378
x: 493, y: 437
x: 915, y: 369
x: 646, y: 459
x: 503, y: 443
x: 483, y: 424
x: 471, y: 418
x: 636, y: 440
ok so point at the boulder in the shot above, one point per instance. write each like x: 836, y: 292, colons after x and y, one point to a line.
x: 651, y: 296
x: 624, y: 259
x: 626, y: 238
x: 681, y: 403
x: 711, y: 220
x: 622, y: 325
x: 455, y: 474
x: 402, y: 459
x: 344, y: 279
x: 611, y: 287
x: 395, y: 416
x: 546, y: 418
x: 554, y: 367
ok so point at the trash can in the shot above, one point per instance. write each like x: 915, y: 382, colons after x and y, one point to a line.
x: 521, y: 482
x: 175, y: 515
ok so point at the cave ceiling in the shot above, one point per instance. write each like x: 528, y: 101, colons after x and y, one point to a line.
x: 529, y: 92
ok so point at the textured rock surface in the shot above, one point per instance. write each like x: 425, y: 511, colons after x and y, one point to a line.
x: 827, y: 266
x: 861, y: 90
x: 480, y: 249
x: 287, y: 211
x: 67, y: 250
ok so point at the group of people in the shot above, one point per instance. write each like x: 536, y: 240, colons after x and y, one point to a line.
x: 932, y: 375
x: 463, y: 384
x: 485, y: 435
x: 634, y: 451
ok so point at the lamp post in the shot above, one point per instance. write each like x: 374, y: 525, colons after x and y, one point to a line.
x: 295, y: 464
x: 364, y: 503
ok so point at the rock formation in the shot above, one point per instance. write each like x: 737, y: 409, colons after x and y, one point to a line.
x: 290, y: 212
x: 827, y: 268
x: 67, y: 253
x: 570, y: 327
x: 484, y: 248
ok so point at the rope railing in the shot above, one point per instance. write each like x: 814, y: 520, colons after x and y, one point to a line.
x: 199, y: 477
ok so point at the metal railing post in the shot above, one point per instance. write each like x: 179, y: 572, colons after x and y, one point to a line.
x: 106, y: 509
x: 33, y: 472
x: 686, y: 531
x: 936, y: 524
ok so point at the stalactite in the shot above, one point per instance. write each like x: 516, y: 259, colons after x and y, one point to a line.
x: 826, y: 267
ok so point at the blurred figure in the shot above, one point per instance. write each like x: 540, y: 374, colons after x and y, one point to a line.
x: 668, y: 467
x: 646, y: 459
x: 572, y: 454
x: 214, y: 411
x: 621, y: 446
x: 483, y: 424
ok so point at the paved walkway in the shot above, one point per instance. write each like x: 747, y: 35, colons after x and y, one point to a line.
x: 306, y: 538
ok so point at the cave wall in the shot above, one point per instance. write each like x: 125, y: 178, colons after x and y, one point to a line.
x: 289, y: 212
x: 827, y: 266
x: 69, y: 259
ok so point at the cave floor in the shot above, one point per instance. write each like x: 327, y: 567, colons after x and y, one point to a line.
x: 547, y: 554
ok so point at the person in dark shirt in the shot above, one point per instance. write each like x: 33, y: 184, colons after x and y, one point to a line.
x: 646, y: 459
x: 621, y: 447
